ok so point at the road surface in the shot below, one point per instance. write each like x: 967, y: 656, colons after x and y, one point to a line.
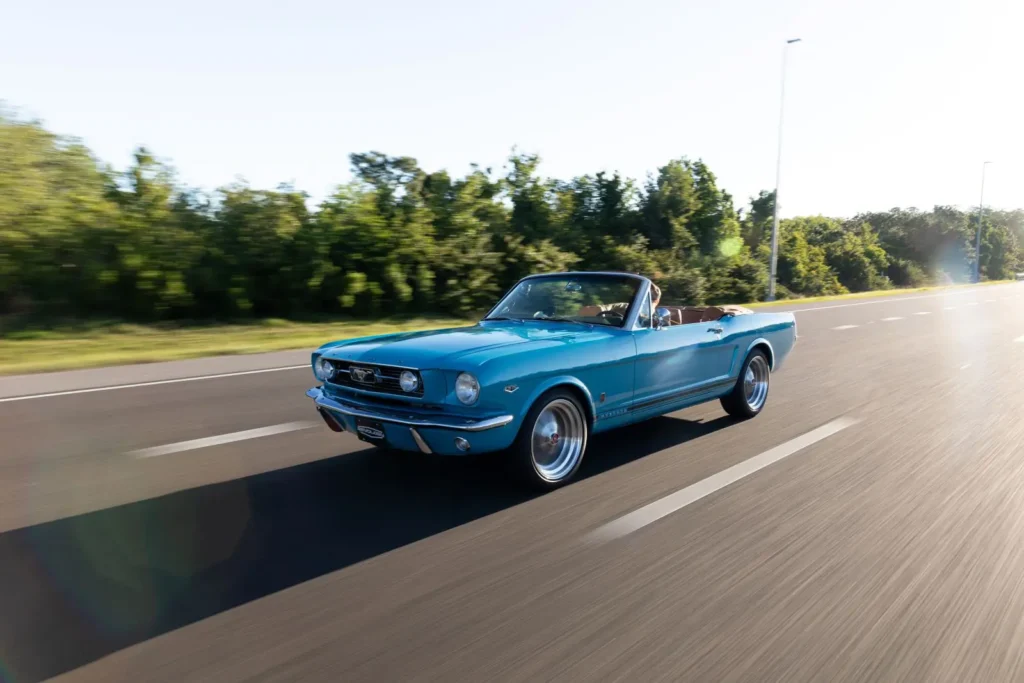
x: 158, y: 523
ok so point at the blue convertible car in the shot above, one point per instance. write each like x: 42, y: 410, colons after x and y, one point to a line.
x: 560, y: 358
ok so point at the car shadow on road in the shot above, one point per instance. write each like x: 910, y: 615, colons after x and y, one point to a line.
x: 76, y: 589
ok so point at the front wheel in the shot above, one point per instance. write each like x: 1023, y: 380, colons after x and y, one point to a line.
x: 751, y: 391
x: 551, y: 442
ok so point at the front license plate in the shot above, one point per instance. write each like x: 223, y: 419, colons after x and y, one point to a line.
x: 370, y: 431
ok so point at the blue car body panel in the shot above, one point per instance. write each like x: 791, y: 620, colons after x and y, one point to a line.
x: 621, y: 375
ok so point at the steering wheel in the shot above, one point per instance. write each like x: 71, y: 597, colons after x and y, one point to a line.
x: 540, y: 314
x: 610, y: 314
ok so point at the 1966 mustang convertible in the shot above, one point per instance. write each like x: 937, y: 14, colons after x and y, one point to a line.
x: 560, y: 358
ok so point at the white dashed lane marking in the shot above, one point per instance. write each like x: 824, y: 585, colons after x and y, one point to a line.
x: 845, y: 327
x: 222, y: 439
x: 676, y: 501
x: 895, y: 317
x: 923, y: 313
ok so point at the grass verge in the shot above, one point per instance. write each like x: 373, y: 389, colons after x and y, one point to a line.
x: 870, y: 295
x: 96, y: 344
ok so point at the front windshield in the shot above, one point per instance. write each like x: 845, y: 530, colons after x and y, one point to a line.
x: 594, y: 299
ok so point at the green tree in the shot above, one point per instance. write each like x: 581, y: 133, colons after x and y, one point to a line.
x: 77, y: 238
x: 55, y: 223
x: 858, y: 260
x: 756, y: 226
x: 713, y: 224
x: 669, y: 202
x: 802, y: 265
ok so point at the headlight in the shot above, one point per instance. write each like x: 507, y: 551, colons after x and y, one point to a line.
x: 323, y: 369
x: 467, y: 389
x: 408, y: 381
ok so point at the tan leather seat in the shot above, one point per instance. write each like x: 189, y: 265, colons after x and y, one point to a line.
x: 678, y: 315
x: 686, y: 315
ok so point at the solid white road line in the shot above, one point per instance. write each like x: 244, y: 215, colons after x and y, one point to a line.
x: 880, y: 300
x: 222, y: 439
x: 683, y: 497
x: 299, y: 367
x: 895, y: 317
x: 845, y: 327
x: 153, y: 383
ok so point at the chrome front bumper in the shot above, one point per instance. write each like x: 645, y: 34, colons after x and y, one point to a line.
x: 322, y: 400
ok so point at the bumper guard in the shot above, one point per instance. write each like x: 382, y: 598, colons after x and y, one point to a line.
x: 322, y: 400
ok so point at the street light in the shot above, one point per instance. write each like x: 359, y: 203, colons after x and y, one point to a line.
x: 778, y: 173
x: 977, y: 243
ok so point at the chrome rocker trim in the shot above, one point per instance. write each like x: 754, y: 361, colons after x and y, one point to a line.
x: 458, y: 424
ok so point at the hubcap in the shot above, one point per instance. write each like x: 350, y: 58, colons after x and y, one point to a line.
x: 755, y: 383
x: 558, y: 439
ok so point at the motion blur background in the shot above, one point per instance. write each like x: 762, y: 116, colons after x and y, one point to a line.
x: 638, y: 136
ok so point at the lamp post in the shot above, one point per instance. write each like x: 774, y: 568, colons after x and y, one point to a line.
x: 778, y: 173
x: 981, y: 212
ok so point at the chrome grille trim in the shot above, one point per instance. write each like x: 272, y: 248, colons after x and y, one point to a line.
x: 387, y: 378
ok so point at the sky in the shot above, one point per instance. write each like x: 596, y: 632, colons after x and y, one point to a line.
x: 888, y: 102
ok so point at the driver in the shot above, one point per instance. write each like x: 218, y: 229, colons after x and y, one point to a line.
x: 621, y: 308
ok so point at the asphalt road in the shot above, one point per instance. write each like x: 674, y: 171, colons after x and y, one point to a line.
x: 888, y: 547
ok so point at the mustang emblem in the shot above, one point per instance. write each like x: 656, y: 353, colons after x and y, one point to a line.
x: 370, y: 432
x: 364, y: 375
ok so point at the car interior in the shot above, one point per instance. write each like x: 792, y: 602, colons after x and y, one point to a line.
x: 677, y: 315
x: 685, y: 315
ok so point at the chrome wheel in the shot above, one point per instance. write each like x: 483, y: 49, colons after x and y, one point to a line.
x: 755, y: 382
x: 558, y: 439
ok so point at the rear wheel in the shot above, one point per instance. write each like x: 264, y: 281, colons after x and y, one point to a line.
x: 748, y: 397
x: 549, y: 448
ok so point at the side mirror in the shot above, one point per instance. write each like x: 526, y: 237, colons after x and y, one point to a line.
x: 662, y: 318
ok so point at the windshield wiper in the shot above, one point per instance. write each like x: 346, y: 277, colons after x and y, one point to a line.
x: 505, y: 317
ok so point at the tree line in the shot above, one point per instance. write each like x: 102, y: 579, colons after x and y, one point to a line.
x: 78, y: 238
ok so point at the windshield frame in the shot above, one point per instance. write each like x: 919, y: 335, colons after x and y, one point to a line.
x: 643, y: 285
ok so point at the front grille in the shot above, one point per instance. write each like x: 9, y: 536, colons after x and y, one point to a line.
x: 378, y: 378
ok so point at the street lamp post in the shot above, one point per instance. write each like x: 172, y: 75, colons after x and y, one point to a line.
x: 981, y: 212
x: 778, y: 174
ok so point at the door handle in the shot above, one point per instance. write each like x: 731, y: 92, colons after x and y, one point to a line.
x: 716, y: 330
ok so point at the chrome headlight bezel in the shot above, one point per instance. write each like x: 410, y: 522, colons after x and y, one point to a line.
x: 467, y: 389
x: 408, y: 381
x: 323, y: 369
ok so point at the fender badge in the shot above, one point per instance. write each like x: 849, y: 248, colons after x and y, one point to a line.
x: 511, y: 389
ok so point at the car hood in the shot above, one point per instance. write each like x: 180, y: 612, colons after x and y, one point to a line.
x: 440, y: 348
